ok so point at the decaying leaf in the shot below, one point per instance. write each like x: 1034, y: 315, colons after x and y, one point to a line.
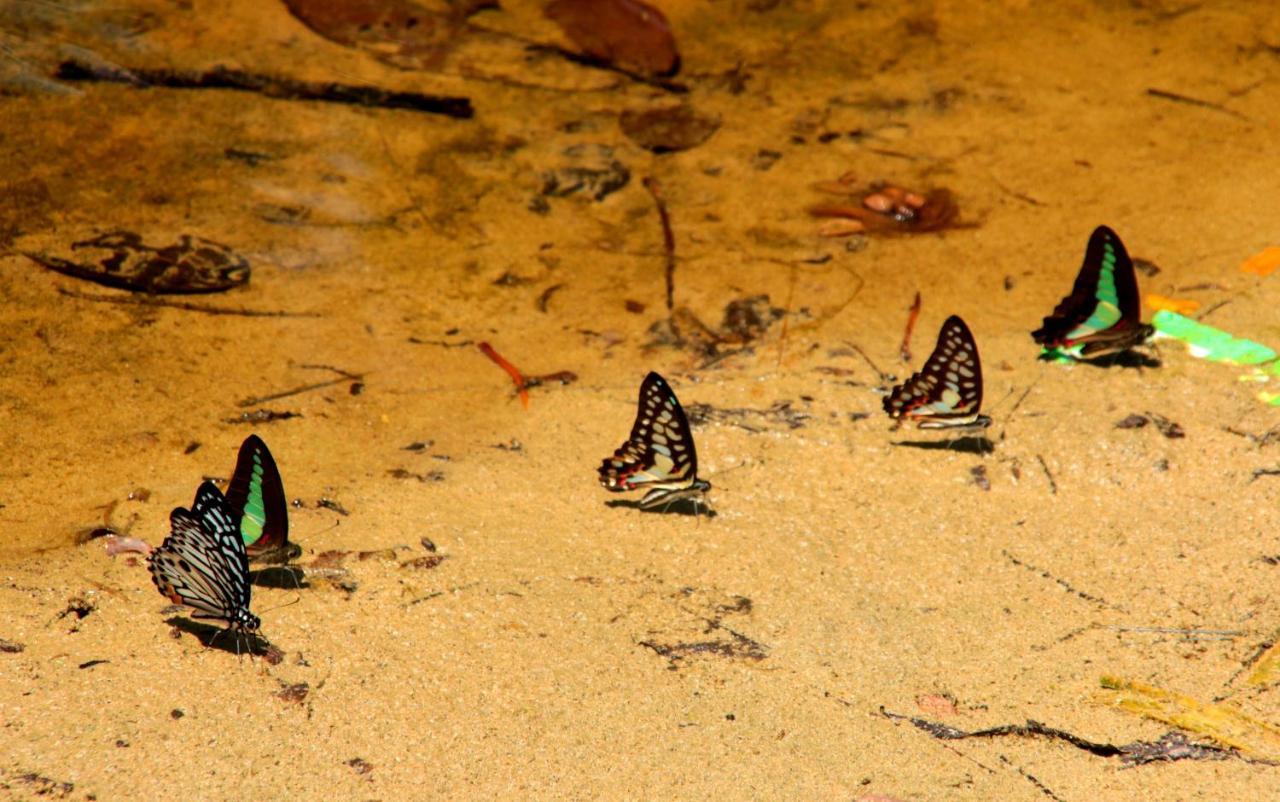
x: 121, y: 259
x: 668, y: 129
x: 628, y: 34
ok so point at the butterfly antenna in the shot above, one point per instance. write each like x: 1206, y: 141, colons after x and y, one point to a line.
x: 286, y: 604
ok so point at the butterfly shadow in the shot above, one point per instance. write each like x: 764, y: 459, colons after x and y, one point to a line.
x: 280, y: 577
x: 684, y: 506
x: 1122, y: 359
x: 215, y: 637
x: 980, y: 445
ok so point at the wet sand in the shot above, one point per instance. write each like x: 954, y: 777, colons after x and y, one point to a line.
x: 566, y: 648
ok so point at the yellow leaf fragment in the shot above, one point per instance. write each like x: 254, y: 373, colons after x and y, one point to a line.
x: 1226, y: 725
x: 1267, y: 669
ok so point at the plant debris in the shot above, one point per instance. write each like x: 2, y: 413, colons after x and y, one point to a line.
x: 361, y: 766
x: 1171, y: 746
x: 425, y: 563
x: 120, y: 259
x: 332, y: 504
x: 262, y: 416
x: 884, y: 208
x: 11, y: 647
x: 429, y: 476
x: 1165, y: 426
x: 296, y: 693
x: 912, y: 314
x: 511, y: 370
x: 599, y: 177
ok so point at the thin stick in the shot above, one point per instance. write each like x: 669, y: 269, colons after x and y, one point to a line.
x: 270, y: 85
x: 668, y: 238
x: 786, y: 317
x: 511, y: 370
x: 912, y: 315
x: 306, y: 388
x: 1192, y: 101
x: 880, y: 374
x: 1053, y: 486
x: 183, y: 305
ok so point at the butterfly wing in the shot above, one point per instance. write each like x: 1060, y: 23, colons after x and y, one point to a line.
x: 948, y: 389
x: 256, y: 498
x: 1103, y: 300
x: 660, y: 450
x: 203, y: 563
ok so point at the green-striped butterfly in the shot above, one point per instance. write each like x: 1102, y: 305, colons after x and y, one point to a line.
x: 947, y: 392
x: 1102, y: 315
x: 258, y: 506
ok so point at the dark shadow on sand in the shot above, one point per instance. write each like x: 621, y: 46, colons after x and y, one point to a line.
x: 229, y: 641
x: 1124, y: 359
x: 970, y: 444
x: 281, y: 577
x: 685, y: 506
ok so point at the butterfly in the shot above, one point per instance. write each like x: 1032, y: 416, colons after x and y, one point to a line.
x: 203, y: 563
x: 1102, y: 315
x: 660, y: 454
x: 257, y: 502
x: 947, y: 392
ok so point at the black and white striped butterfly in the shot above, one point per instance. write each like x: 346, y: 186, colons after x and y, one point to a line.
x: 659, y: 455
x: 947, y: 392
x: 203, y: 563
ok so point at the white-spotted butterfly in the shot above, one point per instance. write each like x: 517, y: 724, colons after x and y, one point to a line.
x: 947, y: 392
x: 660, y: 455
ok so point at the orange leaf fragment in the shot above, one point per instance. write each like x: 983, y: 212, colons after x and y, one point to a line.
x: 1263, y: 263
x: 1182, y: 306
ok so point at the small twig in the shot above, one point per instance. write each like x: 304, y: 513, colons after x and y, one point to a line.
x: 183, y: 305
x: 1192, y: 101
x: 1053, y: 486
x: 511, y: 370
x: 343, y: 373
x: 1213, y: 308
x: 668, y: 238
x: 1190, y: 634
x: 270, y: 86
x: 880, y: 374
x: 1063, y: 583
x: 912, y: 314
x: 1259, y: 472
x: 545, y: 297
x: 786, y: 317
x: 306, y: 388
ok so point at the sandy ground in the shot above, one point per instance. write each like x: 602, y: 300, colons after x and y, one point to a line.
x: 843, y: 575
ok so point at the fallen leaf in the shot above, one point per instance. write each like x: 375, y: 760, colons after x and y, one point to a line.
x: 629, y: 34
x: 1263, y: 263
x: 1227, y: 726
